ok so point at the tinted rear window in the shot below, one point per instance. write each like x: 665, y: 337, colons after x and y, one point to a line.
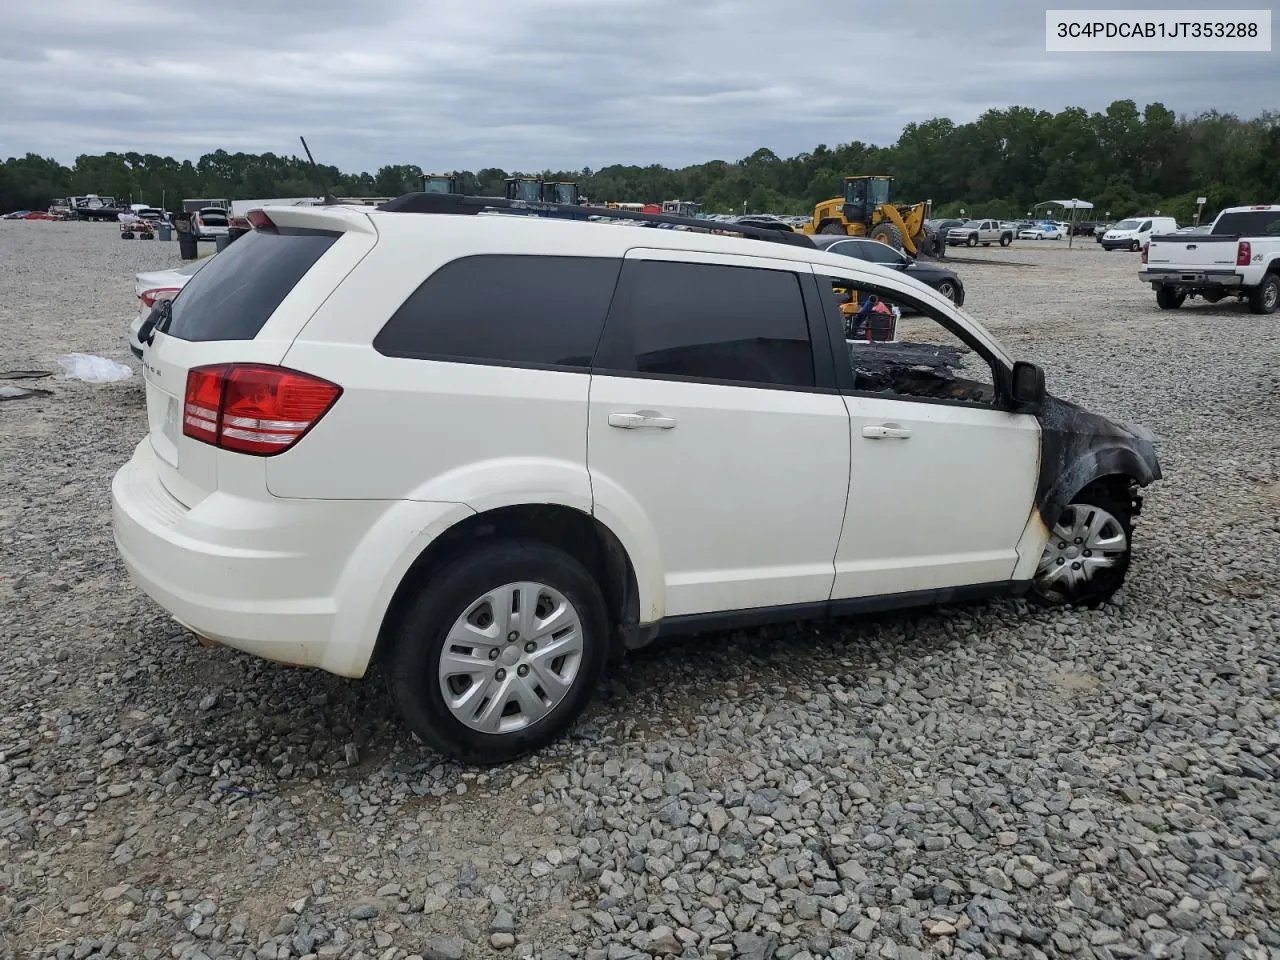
x: 528, y: 310
x: 234, y: 293
x: 1249, y: 223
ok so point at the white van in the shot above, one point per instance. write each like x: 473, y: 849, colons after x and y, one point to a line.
x: 1133, y: 233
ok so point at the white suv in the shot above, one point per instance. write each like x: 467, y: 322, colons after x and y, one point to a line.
x: 492, y: 452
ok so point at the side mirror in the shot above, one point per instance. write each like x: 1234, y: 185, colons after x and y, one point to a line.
x: 1028, y: 387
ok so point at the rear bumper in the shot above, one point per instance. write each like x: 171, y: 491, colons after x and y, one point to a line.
x: 1170, y: 276
x: 304, y: 582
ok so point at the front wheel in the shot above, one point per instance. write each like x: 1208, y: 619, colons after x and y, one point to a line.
x: 1167, y: 298
x: 832, y: 228
x: 1265, y: 297
x: 948, y: 289
x: 1135, y: 246
x: 1088, y: 553
x: 500, y: 653
x: 973, y: 241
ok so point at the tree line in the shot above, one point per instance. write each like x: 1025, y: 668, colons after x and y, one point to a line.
x: 1123, y: 159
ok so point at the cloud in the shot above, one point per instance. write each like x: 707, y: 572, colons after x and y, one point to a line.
x: 530, y: 84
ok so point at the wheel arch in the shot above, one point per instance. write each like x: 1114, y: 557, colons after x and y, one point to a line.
x: 584, y: 537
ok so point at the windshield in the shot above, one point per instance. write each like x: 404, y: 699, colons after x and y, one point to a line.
x: 1126, y: 225
x: 436, y: 185
x: 877, y: 192
x: 528, y: 190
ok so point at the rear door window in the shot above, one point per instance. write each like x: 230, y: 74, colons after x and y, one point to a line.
x: 709, y: 322
x: 238, y: 289
x: 506, y: 309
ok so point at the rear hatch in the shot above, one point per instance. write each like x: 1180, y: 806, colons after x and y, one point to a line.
x: 245, y: 306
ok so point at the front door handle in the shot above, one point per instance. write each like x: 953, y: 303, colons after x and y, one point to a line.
x: 886, y: 431
x: 641, y: 419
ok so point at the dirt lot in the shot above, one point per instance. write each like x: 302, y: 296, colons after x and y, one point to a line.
x: 984, y: 781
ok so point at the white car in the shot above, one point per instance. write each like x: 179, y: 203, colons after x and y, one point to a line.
x: 209, y: 223
x: 154, y: 286
x: 1042, y: 231
x: 358, y: 450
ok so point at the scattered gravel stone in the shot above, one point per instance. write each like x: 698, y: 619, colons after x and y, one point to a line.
x: 985, y: 780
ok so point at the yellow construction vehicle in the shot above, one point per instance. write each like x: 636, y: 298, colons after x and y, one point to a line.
x: 439, y: 183
x: 865, y: 211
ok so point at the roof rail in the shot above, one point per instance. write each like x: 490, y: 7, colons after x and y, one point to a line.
x: 464, y: 205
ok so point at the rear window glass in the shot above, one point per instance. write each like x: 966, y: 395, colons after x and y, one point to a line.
x: 234, y: 294
x: 214, y: 218
x: 540, y: 311
x: 1249, y: 223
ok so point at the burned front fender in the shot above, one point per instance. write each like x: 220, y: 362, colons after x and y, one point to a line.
x: 1078, y: 447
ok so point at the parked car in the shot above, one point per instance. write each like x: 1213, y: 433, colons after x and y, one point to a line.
x: 1084, y: 228
x: 357, y: 448
x: 761, y: 220
x: 1042, y: 231
x: 931, y: 274
x: 209, y: 223
x: 985, y: 232
x: 942, y: 226
x: 154, y: 287
x: 1239, y: 257
x: 1132, y: 233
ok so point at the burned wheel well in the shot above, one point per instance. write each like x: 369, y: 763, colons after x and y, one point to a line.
x: 578, y: 534
x: 1119, y: 487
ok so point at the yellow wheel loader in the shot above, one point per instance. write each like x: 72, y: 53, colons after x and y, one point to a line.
x: 865, y: 211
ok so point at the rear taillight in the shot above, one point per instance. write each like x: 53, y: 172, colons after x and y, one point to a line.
x: 1144, y: 252
x: 254, y: 408
x: 259, y: 220
x: 1244, y: 253
x: 149, y: 297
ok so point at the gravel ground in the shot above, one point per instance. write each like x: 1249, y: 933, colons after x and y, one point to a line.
x: 985, y: 781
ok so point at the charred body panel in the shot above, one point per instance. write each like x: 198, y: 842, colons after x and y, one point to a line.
x: 1078, y: 448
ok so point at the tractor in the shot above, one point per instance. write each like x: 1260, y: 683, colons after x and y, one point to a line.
x: 439, y: 183
x: 528, y: 189
x: 560, y: 191
x: 865, y: 211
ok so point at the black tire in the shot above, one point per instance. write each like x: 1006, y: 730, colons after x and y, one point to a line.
x: 887, y: 233
x: 1212, y: 296
x: 417, y: 641
x: 126, y: 236
x: 1105, y: 582
x: 1169, y: 298
x: 833, y: 227
x: 1134, y: 246
x: 1265, y: 297
x: 973, y: 240
x: 1005, y: 239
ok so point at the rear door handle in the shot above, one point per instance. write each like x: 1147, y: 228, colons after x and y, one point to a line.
x: 886, y: 431
x: 641, y: 419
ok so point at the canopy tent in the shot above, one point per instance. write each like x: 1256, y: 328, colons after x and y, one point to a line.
x: 1073, y: 205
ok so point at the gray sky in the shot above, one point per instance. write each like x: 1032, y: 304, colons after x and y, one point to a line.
x: 530, y: 84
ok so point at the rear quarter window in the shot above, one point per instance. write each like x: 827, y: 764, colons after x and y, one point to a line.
x: 233, y: 295
x: 1249, y: 223
x: 506, y: 309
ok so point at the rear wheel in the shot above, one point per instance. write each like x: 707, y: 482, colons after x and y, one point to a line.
x: 1088, y: 553
x: 1169, y: 298
x: 1006, y: 239
x: 500, y: 653
x: 1135, y: 246
x: 126, y: 236
x: 1265, y: 297
x: 832, y: 227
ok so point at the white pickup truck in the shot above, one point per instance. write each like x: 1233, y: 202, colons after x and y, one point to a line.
x: 1239, y: 257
